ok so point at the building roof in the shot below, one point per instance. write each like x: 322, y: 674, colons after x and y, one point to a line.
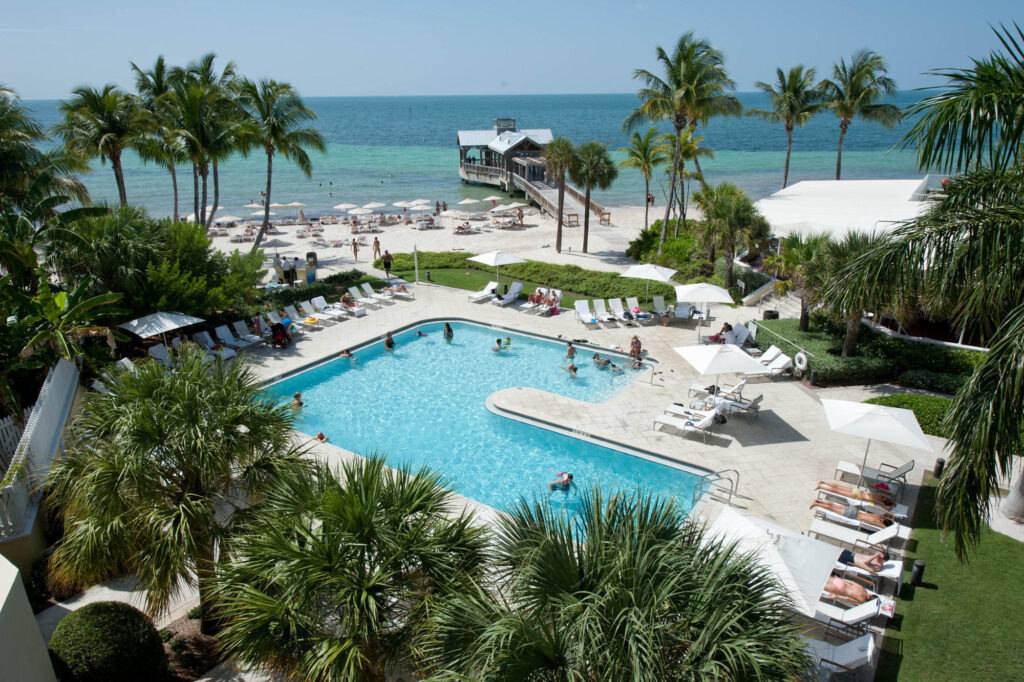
x: 840, y: 206
x: 506, y: 140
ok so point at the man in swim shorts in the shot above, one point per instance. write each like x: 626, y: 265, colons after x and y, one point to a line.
x: 563, y: 482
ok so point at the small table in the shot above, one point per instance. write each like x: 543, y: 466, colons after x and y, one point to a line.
x: 606, y: 218
x: 572, y: 219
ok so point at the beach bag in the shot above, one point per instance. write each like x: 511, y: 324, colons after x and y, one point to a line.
x: 719, y: 419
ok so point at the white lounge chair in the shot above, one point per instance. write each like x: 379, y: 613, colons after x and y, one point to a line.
x: 307, y: 309
x: 775, y: 368
x: 243, y: 332
x: 891, y: 570
x: 273, y: 318
x: 528, y: 307
x: 208, y: 357
x: 740, y: 335
x: 583, y: 313
x: 658, y: 305
x: 160, y: 353
x: 206, y: 342
x: 634, y: 305
x: 685, y: 426
x: 854, y: 538
x: 600, y: 312
x: 321, y: 305
x: 886, y: 473
x: 382, y: 296
x: 733, y: 405
x: 485, y: 293
x: 509, y: 298
x: 898, y: 510
x: 408, y: 295
x: 225, y: 336
x: 687, y: 413
x: 769, y: 355
x: 841, y: 520
x: 302, y: 320
x: 618, y: 311
x: 854, y: 618
x: 359, y: 298
x: 848, y: 657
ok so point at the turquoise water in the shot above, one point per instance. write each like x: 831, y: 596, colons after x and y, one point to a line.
x: 391, y: 149
x: 423, y: 405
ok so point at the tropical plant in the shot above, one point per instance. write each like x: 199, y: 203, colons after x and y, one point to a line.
x: 644, y: 154
x: 368, y: 550
x: 690, y: 149
x: 838, y: 256
x: 795, y: 100
x: 799, y: 260
x: 275, y: 122
x: 156, y: 93
x: 695, y: 87
x: 730, y: 219
x: 560, y: 157
x: 975, y: 118
x: 156, y: 472
x: 856, y: 89
x: 627, y: 589
x: 103, y: 123
x: 594, y: 168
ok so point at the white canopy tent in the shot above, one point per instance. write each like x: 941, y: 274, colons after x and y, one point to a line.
x: 801, y: 564
x: 497, y: 259
x: 875, y: 422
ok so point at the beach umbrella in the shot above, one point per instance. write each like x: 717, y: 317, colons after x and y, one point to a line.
x: 421, y: 201
x: 801, y: 564
x: 159, y: 323
x: 719, y: 359
x: 875, y: 422
x: 261, y: 213
x: 253, y: 204
x: 493, y: 198
x: 277, y: 205
x: 227, y: 219
x: 497, y: 259
x: 650, y: 272
x: 344, y: 207
x: 402, y: 204
x: 360, y: 211
x: 466, y: 202
x: 374, y: 204
x: 702, y: 292
x: 296, y: 204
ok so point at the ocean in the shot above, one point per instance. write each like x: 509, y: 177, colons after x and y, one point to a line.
x: 390, y: 149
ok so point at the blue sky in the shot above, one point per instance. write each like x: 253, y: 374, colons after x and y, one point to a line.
x: 373, y: 47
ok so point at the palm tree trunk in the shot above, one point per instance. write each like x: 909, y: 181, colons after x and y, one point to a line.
x: 805, y: 313
x: 561, y: 206
x: 789, y: 150
x: 839, y: 156
x: 266, y: 202
x: 208, y: 624
x: 730, y: 277
x: 174, y: 183
x: 201, y: 219
x: 647, y: 203
x: 586, y: 219
x: 686, y: 198
x: 216, y: 196
x: 672, y: 188
x: 850, y: 342
x: 115, y: 163
x: 195, y: 192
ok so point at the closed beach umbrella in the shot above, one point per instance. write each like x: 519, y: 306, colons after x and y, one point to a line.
x: 374, y: 204
x: 497, y: 259
x: 649, y: 271
x: 702, y: 292
x: 875, y: 422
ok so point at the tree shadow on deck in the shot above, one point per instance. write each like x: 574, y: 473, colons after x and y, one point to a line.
x: 766, y: 429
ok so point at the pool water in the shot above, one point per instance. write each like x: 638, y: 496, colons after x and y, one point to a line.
x: 423, y: 405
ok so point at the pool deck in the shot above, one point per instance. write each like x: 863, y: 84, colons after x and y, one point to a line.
x: 780, y: 455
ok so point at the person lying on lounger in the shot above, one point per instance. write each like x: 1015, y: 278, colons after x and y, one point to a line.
x: 853, y: 493
x: 854, y: 514
x: 848, y: 590
x: 397, y: 289
x: 873, y: 563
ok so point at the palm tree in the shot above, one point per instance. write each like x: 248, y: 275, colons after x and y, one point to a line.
x: 594, y: 168
x: 838, y: 256
x: 800, y: 261
x: 156, y: 471
x: 795, y: 100
x: 695, y: 87
x: 560, y: 157
x: 276, y: 115
x: 103, y: 123
x: 368, y: 551
x: 690, y: 149
x: 156, y: 93
x: 627, y: 589
x: 856, y: 89
x: 644, y: 154
x: 729, y: 217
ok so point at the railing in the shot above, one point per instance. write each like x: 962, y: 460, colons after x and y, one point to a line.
x: 582, y: 198
x: 10, y: 435
x: 784, y: 339
x: 718, y: 477
x: 41, y: 439
x: 476, y: 172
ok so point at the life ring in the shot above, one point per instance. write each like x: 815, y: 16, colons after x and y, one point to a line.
x: 800, y: 361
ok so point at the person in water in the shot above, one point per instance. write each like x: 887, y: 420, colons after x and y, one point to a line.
x: 346, y: 353
x: 389, y: 342
x: 497, y: 345
x: 448, y: 334
x: 297, y: 401
x: 419, y: 333
x: 563, y: 482
x: 570, y: 351
x: 601, y: 362
x: 571, y: 369
x: 508, y: 341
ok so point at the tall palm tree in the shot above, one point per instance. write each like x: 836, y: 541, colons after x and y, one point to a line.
x: 276, y: 116
x: 627, y: 589
x: 856, y: 89
x: 644, y: 154
x: 560, y: 158
x: 838, y: 256
x: 690, y: 149
x: 151, y: 481
x: 103, y: 123
x: 368, y: 551
x: 594, y: 168
x: 795, y: 100
x: 695, y: 87
x: 799, y: 260
x: 156, y: 93
x: 729, y: 217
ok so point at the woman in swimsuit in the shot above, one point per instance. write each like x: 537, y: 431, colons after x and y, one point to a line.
x: 448, y: 334
x: 848, y: 590
x: 853, y: 493
x: 873, y: 563
x: 854, y: 514
x: 635, y: 348
x: 389, y: 343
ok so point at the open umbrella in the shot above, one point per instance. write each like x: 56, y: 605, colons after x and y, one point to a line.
x: 296, y: 204
x: 497, y: 259
x: 253, y: 204
x: 649, y: 271
x: 875, y: 422
x: 261, y: 213
x: 277, y: 205
x: 702, y: 292
x: 227, y: 219
x: 421, y: 201
x: 360, y: 211
x: 402, y: 204
x: 158, y: 324
x: 374, y: 204
x: 467, y: 201
x: 493, y: 198
x: 719, y: 359
x: 344, y: 207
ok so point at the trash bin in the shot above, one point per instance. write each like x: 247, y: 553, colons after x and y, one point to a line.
x: 770, y: 315
x: 311, y: 258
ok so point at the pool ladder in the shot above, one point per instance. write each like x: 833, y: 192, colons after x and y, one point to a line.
x: 719, y: 481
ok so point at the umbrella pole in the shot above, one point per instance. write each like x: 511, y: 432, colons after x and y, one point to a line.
x: 860, y: 479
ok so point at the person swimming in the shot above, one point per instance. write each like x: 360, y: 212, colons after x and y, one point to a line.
x: 601, y: 362
x: 571, y: 369
x: 563, y: 482
x: 297, y: 401
x: 389, y: 342
x: 497, y: 345
x: 420, y: 334
x: 508, y: 341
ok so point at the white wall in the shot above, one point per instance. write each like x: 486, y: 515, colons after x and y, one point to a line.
x: 23, y: 653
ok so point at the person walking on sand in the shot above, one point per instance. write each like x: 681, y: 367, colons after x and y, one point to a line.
x: 355, y: 250
x: 376, y: 248
x: 444, y: 206
x: 386, y: 260
x: 437, y: 208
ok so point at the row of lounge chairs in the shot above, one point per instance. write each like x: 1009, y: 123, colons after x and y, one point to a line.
x: 600, y: 315
x: 701, y: 419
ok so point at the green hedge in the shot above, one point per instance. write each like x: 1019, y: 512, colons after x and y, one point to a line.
x: 879, y: 357
x: 929, y: 410
x: 940, y: 382
x: 328, y: 286
x: 107, y: 642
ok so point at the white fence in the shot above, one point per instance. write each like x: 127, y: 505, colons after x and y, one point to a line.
x: 20, y: 487
x: 10, y: 435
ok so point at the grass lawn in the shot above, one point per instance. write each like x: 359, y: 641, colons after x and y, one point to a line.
x: 964, y: 622
x: 475, y: 280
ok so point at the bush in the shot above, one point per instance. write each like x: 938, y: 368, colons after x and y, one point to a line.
x: 328, y: 286
x: 940, y: 382
x: 929, y: 410
x: 195, y: 613
x: 107, y: 642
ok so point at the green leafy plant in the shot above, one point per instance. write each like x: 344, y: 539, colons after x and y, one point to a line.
x: 940, y: 382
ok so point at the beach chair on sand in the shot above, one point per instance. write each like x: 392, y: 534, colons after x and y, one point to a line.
x: 485, y: 293
x: 511, y: 297
x: 583, y: 313
x: 601, y: 313
x: 658, y: 305
x: 361, y: 299
x: 243, y: 332
x: 845, y: 658
x: 225, y: 336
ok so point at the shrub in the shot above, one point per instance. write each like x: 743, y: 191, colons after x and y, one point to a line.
x: 929, y: 410
x: 328, y: 286
x: 195, y: 613
x: 940, y: 382
x: 108, y: 642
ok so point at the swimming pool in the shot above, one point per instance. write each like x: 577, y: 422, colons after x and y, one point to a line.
x: 424, y: 405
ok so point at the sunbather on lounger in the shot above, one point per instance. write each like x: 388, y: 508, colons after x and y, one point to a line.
x: 853, y: 493
x: 847, y: 589
x: 869, y: 562
x: 397, y: 289
x: 720, y: 336
x: 853, y: 513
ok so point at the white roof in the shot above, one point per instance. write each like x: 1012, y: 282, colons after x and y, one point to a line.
x: 506, y: 140
x: 839, y: 206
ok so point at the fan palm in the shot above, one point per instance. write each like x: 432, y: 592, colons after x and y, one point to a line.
x: 156, y: 470
x: 800, y: 261
x: 629, y: 589
x: 856, y: 89
x: 276, y: 116
x: 337, y: 572
x: 795, y: 100
x: 838, y: 255
x: 560, y: 157
x: 644, y: 154
x: 695, y: 87
x: 103, y: 123
x: 156, y: 93
x: 729, y: 217
x: 594, y: 168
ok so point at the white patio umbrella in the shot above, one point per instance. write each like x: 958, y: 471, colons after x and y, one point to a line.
x: 374, y: 204
x: 421, y: 201
x: 875, y: 422
x: 277, y: 205
x: 702, y: 292
x: 497, y: 259
x: 467, y: 202
x: 344, y: 207
x: 261, y: 213
x: 402, y: 204
x: 227, y: 219
x: 360, y: 211
x: 719, y: 359
x: 158, y: 324
x: 801, y: 564
x: 650, y: 272
x: 296, y: 204
x: 494, y: 197
x: 253, y: 204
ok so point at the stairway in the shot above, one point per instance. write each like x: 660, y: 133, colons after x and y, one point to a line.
x: 788, y: 305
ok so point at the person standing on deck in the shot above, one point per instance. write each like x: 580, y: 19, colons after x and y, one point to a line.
x: 386, y: 260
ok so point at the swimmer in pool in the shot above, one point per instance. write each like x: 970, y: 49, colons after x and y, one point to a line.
x: 419, y: 333
x: 571, y: 369
x: 563, y: 482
